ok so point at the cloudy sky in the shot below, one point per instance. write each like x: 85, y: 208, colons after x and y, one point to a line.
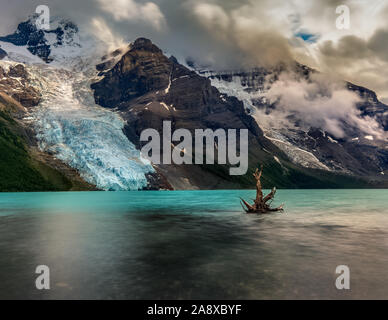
x: 239, y: 33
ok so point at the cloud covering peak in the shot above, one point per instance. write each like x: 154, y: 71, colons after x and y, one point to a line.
x: 229, y: 34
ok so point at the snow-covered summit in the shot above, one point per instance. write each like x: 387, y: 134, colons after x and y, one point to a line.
x: 60, y: 46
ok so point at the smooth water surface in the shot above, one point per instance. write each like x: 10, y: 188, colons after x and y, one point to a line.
x: 193, y: 245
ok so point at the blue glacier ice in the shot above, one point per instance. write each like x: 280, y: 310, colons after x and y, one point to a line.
x: 84, y: 135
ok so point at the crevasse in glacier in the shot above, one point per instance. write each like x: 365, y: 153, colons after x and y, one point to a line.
x: 84, y: 135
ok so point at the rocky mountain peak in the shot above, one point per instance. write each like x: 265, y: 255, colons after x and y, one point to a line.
x: 143, y: 44
x: 142, y: 69
x: 146, y: 88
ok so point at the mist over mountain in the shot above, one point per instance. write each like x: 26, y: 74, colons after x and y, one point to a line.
x: 230, y: 34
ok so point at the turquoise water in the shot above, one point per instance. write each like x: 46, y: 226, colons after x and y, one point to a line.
x: 193, y: 245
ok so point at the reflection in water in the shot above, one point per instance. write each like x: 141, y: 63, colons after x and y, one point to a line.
x: 193, y: 245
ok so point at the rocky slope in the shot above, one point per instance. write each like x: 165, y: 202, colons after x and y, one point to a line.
x: 14, y: 82
x: 145, y: 87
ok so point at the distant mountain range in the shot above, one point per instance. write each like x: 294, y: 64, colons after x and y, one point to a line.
x: 71, y: 118
x: 356, y: 152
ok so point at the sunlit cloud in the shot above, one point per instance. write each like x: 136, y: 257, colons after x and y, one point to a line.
x: 128, y: 10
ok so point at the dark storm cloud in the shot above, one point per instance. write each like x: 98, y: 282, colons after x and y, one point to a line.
x: 378, y: 44
x: 353, y: 48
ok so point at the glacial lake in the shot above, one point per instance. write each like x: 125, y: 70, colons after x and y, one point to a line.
x: 193, y: 245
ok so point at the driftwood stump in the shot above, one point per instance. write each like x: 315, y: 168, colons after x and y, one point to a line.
x: 261, y: 204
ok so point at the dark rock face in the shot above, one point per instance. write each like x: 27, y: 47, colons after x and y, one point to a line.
x: 105, y: 65
x: 3, y: 54
x: 145, y: 75
x: 146, y: 88
x: 15, y: 83
x: 157, y: 181
x: 144, y: 68
x: 17, y: 71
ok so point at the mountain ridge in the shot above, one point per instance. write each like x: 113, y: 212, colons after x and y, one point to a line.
x: 351, y: 154
x: 148, y: 88
x: 141, y: 87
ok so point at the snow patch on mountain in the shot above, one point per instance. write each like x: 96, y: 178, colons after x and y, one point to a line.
x: 19, y: 54
x: 297, y: 155
x: 234, y: 88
